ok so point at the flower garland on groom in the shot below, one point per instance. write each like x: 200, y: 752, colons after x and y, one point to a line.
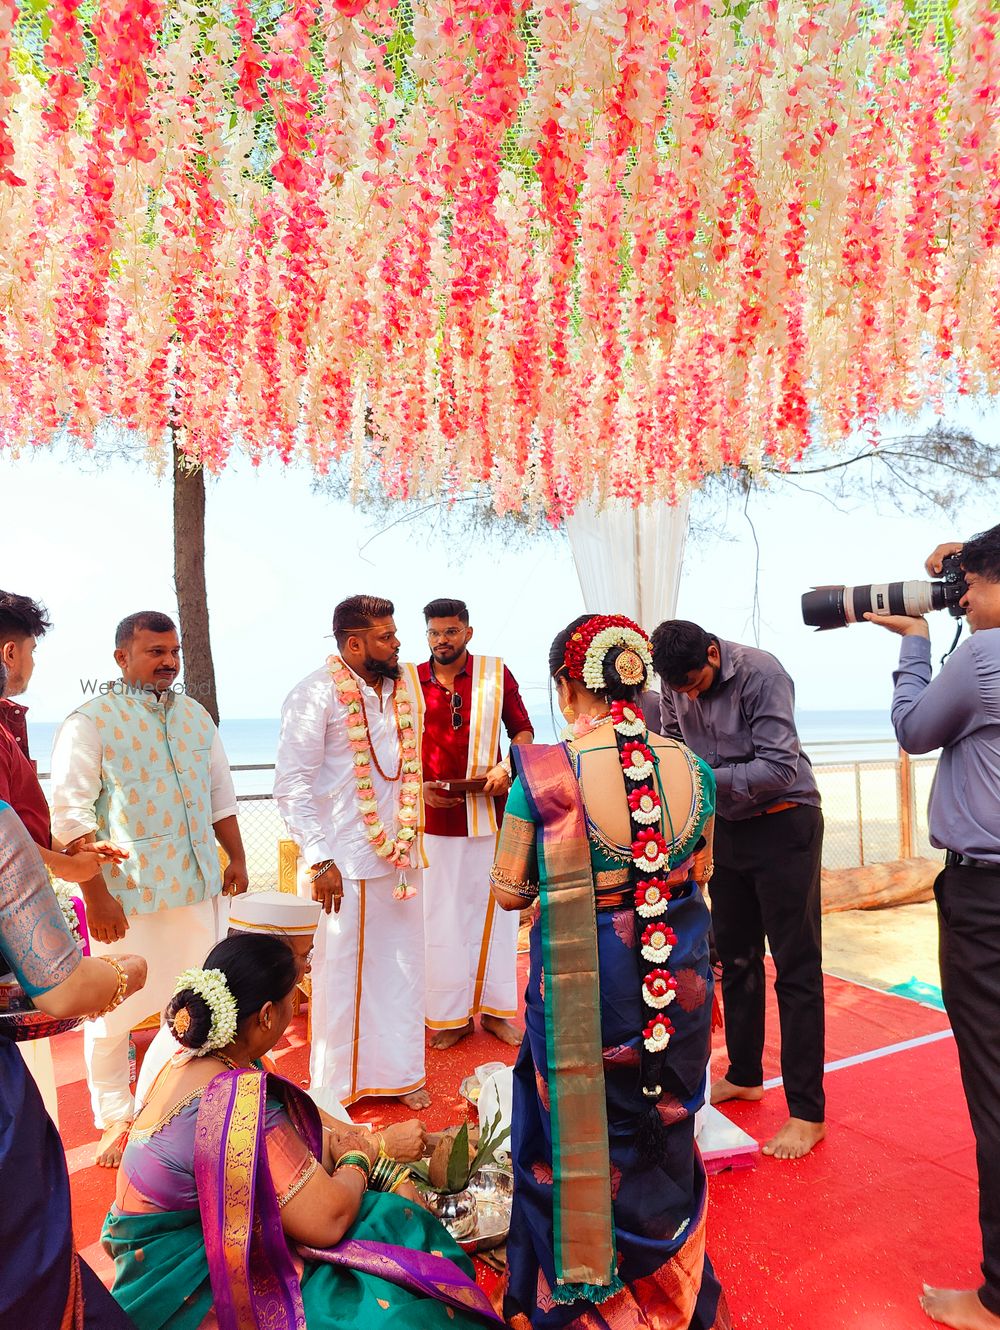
x: 395, y: 849
x: 348, y: 785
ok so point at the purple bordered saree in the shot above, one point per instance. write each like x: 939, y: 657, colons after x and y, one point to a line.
x: 231, y: 1254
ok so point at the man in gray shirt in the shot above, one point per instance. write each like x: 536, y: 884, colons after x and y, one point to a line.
x: 734, y: 706
x: 959, y: 712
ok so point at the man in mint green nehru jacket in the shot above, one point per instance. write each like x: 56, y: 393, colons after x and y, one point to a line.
x: 141, y: 763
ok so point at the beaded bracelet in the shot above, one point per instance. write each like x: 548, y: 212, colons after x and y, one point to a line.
x: 355, y: 1159
x: 119, y: 996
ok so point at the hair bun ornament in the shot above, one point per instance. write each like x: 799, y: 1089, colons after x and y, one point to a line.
x: 181, y: 1022
x: 589, y: 645
x: 630, y: 668
x: 212, y: 986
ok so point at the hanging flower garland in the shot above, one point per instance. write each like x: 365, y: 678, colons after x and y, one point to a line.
x: 556, y: 252
x: 397, y: 848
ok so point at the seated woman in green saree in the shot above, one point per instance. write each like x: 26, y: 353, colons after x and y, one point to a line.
x: 230, y: 1210
x: 610, y: 833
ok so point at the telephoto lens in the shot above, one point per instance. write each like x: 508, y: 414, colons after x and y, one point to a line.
x: 836, y: 606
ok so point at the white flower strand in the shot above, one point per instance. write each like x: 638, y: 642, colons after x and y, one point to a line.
x: 605, y: 641
x: 213, y: 987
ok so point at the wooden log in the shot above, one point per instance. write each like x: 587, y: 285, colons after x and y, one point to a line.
x: 879, y: 886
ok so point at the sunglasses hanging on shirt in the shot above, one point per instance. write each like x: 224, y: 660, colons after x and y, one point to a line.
x: 456, y: 711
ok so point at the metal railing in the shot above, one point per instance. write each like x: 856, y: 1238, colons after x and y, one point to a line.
x: 874, y: 809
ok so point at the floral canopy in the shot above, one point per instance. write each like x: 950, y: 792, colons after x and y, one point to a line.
x: 546, y: 247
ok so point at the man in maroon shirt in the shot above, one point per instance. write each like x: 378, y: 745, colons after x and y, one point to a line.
x: 471, y: 946
x: 22, y: 622
x: 19, y: 784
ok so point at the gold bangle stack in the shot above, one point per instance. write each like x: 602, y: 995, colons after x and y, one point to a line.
x: 119, y: 996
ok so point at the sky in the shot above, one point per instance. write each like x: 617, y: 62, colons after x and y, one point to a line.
x: 95, y: 544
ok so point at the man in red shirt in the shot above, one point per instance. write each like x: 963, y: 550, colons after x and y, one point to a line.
x: 471, y: 946
x: 22, y: 622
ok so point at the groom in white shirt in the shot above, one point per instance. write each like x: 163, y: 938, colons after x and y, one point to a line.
x: 347, y: 783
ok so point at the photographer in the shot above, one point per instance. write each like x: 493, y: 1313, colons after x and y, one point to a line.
x: 959, y: 712
x: 735, y: 707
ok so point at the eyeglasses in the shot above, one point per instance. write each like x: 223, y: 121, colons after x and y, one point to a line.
x: 448, y: 635
x: 456, y: 711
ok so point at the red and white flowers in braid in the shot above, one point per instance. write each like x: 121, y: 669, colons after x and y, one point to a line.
x: 394, y: 849
x: 650, y: 855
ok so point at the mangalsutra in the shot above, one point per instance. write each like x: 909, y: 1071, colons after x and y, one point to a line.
x: 228, y: 1062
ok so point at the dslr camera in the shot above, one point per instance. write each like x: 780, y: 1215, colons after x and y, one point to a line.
x: 836, y: 606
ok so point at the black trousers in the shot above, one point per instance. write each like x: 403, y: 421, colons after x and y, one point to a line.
x: 968, y: 902
x: 766, y: 884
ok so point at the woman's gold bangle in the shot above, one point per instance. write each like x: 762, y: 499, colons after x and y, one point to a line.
x: 404, y: 1176
x: 119, y: 996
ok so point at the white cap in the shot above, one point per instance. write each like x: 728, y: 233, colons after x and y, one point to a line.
x: 274, y: 912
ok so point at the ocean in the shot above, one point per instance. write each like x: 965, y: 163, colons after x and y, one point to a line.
x: 827, y: 736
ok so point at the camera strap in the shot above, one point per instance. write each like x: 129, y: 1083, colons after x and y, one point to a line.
x: 954, y: 642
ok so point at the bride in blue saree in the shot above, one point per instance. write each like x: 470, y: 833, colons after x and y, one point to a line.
x: 610, y: 833
x: 46, y: 987
x: 230, y: 1209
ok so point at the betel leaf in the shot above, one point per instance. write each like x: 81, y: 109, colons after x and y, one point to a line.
x: 458, y: 1161
x: 421, y: 1170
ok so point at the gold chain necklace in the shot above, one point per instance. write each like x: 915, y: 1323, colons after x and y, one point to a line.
x: 371, y: 742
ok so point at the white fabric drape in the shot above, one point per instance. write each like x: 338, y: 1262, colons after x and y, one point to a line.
x: 629, y: 559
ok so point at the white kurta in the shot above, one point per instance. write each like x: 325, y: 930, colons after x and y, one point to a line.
x: 368, y: 967
x: 470, y: 943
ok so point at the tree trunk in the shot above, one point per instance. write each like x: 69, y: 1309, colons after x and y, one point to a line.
x: 189, y: 580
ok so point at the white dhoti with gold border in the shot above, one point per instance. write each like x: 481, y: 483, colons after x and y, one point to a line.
x: 170, y: 941
x: 470, y: 943
x: 368, y: 992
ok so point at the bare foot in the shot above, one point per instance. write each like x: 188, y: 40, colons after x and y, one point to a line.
x: 108, y: 1153
x: 417, y: 1100
x: 958, y: 1307
x: 795, y: 1139
x: 723, y: 1090
x: 502, y: 1030
x: 448, y: 1038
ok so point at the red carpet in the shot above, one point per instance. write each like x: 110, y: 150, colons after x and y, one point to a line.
x: 841, y: 1240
